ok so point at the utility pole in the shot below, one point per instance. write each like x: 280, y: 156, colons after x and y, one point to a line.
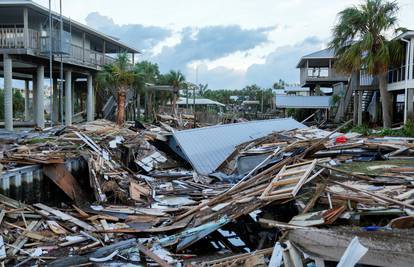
x: 50, y: 60
x: 194, y: 98
x: 61, y: 66
x: 262, y: 101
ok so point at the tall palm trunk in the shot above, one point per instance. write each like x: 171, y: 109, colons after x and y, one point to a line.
x: 120, y: 115
x: 386, y: 101
x: 149, y: 105
x: 174, y: 104
x: 139, y: 105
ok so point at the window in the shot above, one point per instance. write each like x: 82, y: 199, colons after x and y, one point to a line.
x: 318, y: 72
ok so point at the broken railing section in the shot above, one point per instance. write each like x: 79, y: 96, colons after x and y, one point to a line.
x: 296, y: 193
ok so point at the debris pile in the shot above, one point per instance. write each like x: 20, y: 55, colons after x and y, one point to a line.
x: 288, y: 195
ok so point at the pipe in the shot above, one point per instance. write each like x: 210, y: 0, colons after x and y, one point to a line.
x: 407, y: 54
x: 61, y: 68
x: 51, y: 62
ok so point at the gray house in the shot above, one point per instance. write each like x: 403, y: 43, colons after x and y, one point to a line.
x: 316, y: 70
x: 356, y: 91
x: 25, y: 47
x: 359, y: 93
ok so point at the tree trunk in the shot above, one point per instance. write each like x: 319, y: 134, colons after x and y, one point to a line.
x: 120, y: 115
x: 139, y: 106
x: 174, y: 103
x: 149, y: 105
x: 386, y: 101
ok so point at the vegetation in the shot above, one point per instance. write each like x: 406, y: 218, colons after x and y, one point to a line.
x: 251, y: 92
x: 119, y: 77
x: 147, y: 72
x: 359, y: 41
x: 175, y: 79
x: 406, y: 131
x: 18, y: 104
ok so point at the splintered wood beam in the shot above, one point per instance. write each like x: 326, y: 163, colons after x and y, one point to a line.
x: 65, y: 181
x: 152, y: 255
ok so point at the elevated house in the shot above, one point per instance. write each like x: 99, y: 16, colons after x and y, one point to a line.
x: 401, y: 80
x: 316, y: 71
x: 359, y: 93
x: 355, y: 91
x: 26, y: 43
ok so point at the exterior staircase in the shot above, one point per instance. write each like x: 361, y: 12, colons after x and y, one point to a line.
x: 364, y: 82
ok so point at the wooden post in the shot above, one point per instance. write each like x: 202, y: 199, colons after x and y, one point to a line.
x: 360, y: 93
x: 26, y: 27
x: 83, y: 46
x: 104, y: 52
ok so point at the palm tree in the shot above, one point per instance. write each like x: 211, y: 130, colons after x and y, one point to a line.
x: 177, y: 80
x: 120, y: 78
x: 359, y: 41
x: 147, y: 72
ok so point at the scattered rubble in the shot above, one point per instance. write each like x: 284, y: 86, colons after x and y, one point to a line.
x: 152, y: 195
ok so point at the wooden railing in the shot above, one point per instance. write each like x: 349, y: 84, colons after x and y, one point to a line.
x: 90, y: 57
x: 11, y: 38
x: 15, y: 38
x: 320, y: 74
x: 397, y: 74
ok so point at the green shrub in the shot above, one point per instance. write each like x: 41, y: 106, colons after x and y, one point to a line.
x: 361, y: 129
x: 18, y: 104
x: 408, y: 129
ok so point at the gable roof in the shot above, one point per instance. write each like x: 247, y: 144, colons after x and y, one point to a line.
x: 326, y: 53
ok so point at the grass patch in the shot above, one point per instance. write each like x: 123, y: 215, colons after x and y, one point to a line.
x: 406, y: 131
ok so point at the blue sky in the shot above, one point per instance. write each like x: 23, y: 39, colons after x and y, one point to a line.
x: 232, y: 43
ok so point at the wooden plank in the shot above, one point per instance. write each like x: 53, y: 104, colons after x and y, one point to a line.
x: 152, y: 255
x: 2, y: 213
x: 286, y: 181
x: 393, y: 249
x: 292, y: 172
x: 98, y: 253
x: 304, y: 177
x: 2, y: 249
x: 376, y: 196
x: 65, y: 217
x: 65, y: 181
x: 22, y: 239
x: 279, y: 183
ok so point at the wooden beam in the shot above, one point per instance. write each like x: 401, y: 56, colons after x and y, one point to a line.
x: 65, y: 181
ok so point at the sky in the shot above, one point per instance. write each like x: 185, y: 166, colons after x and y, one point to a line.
x: 226, y: 44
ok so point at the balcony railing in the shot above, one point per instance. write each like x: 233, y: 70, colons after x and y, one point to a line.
x: 90, y: 57
x: 320, y: 74
x: 397, y: 74
x: 366, y: 79
x: 14, y: 38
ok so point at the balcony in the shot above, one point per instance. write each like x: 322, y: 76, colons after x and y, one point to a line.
x: 14, y: 38
x: 324, y: 75
x: 396, y: 75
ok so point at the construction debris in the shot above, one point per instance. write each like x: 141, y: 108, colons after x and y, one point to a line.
x: 276, y: 194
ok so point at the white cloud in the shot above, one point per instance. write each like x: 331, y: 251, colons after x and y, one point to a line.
x: 266, y: 61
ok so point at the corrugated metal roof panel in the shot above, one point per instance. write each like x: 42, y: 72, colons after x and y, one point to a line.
x: 206, y: 148
x: 325, y: 53
x: 321, y: 54
x: 312, y: 102
x: 199, y: 101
